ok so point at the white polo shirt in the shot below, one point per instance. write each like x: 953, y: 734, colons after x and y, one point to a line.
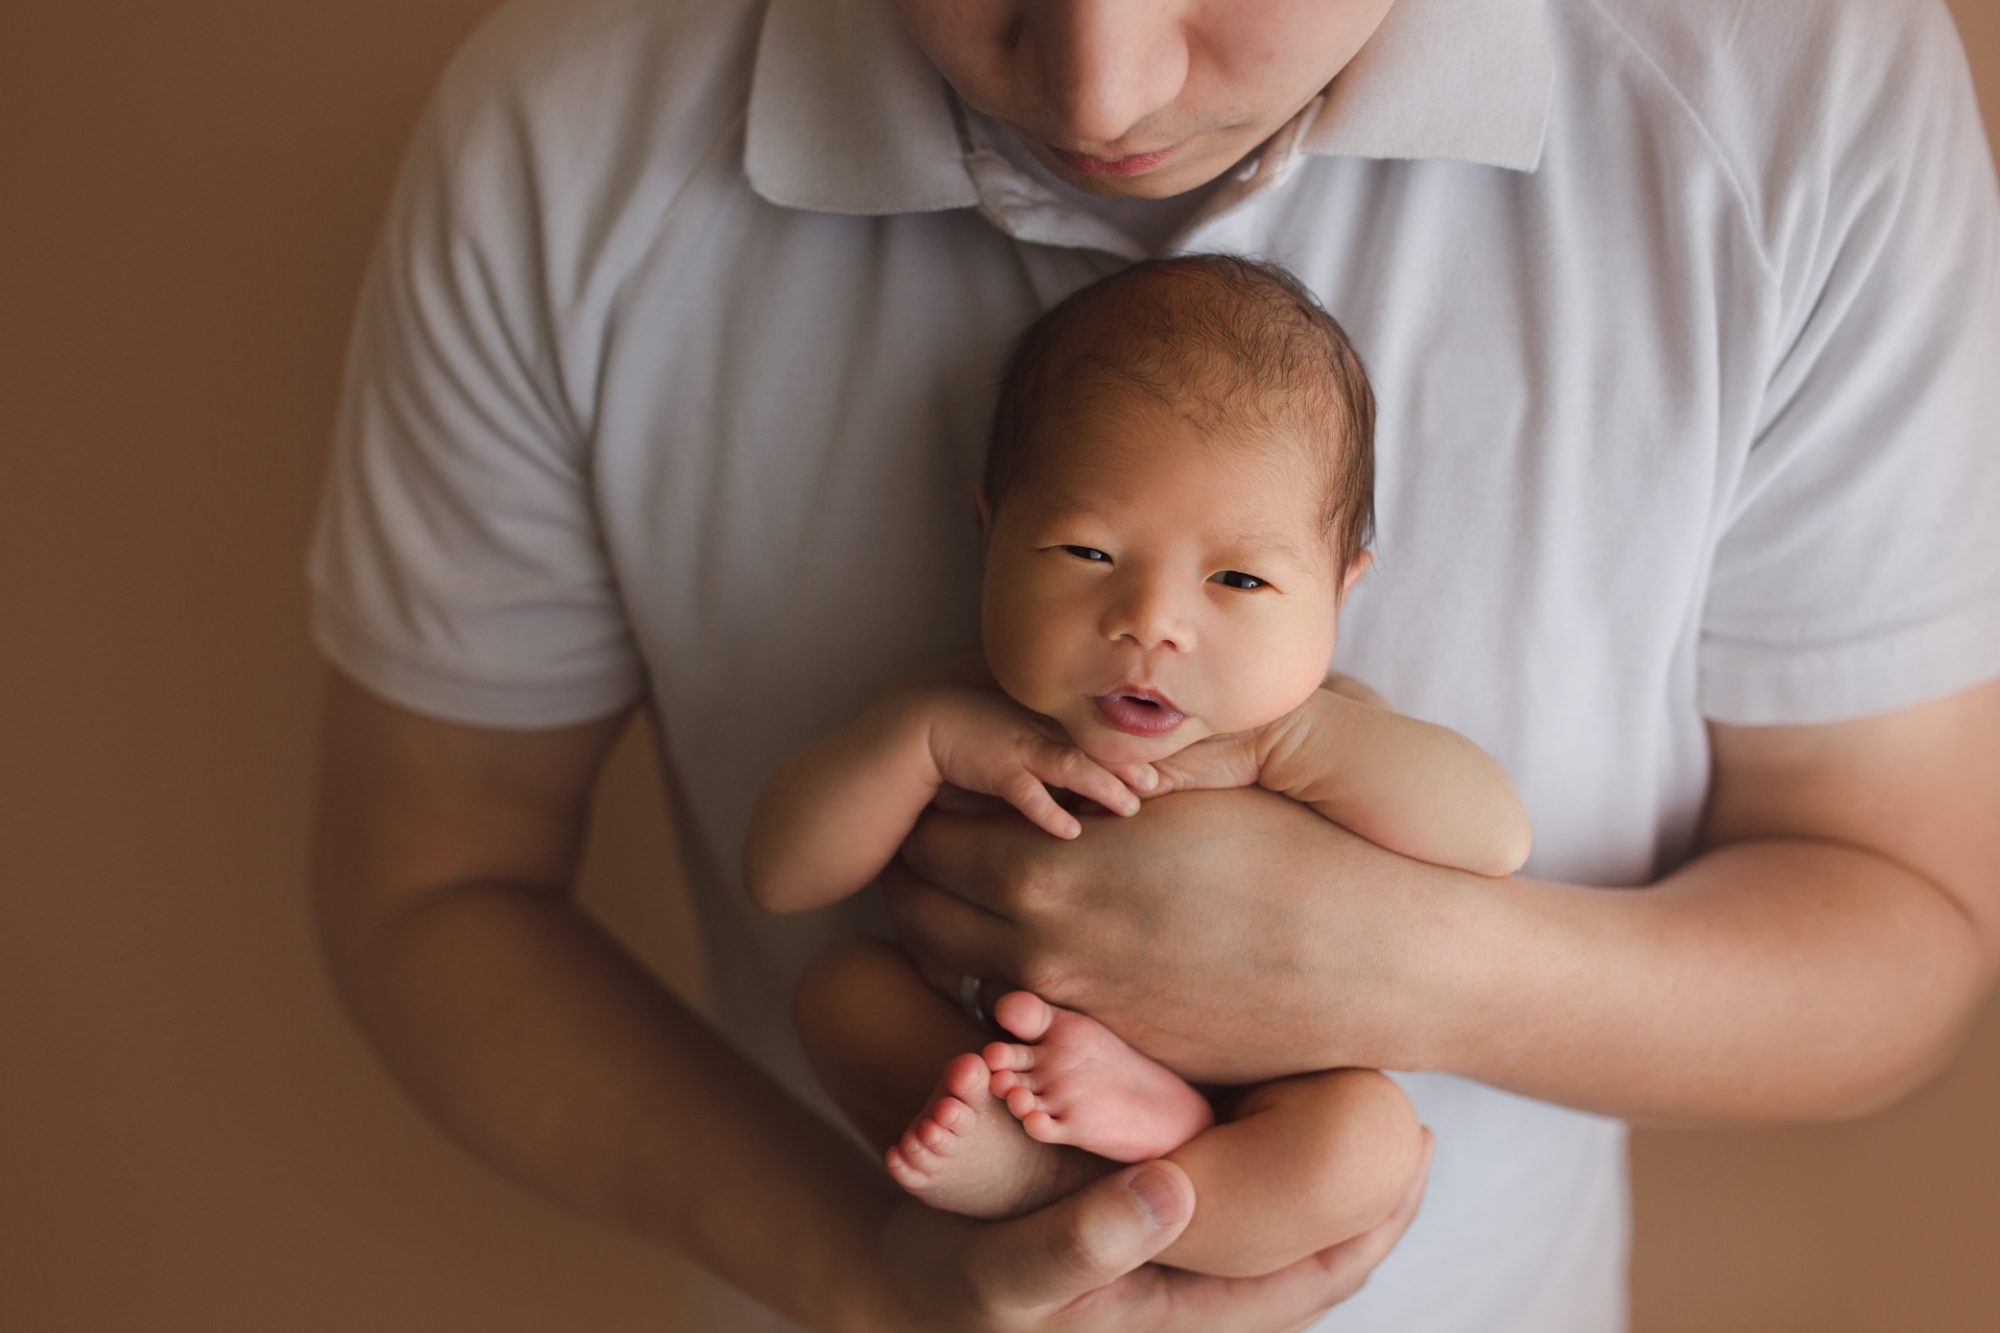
x: 671, y: 374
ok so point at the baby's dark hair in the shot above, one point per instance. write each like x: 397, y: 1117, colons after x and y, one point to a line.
x: 1220, y: 340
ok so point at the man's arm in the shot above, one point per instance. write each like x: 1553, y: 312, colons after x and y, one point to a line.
x: 1821, y: 956
x: 442, y: 861
x: 1825, y: 951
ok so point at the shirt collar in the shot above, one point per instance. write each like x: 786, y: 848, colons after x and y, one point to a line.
x: 847, y: 115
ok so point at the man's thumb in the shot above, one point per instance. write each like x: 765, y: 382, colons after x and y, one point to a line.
x: 1087, y: 1240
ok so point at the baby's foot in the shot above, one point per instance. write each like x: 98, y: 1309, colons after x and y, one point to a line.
x: 965, y: 1153
x: 1078, y: 1083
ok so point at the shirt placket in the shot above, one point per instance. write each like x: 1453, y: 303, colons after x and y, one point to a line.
x: 1027, y: 210
x: 1227, y: 222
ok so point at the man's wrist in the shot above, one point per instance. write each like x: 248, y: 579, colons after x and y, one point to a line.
x: 1452, y: 944
x: 860, y: 1297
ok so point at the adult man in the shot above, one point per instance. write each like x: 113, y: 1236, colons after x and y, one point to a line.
x: 668, y: 384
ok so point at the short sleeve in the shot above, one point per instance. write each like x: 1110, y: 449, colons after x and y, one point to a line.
x: 457, y: 567
x: 1858, y: 568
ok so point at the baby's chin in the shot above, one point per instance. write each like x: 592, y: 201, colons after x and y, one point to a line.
x: 1108, y: 745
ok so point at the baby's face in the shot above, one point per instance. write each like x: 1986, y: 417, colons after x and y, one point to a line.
x: 1148, y: 587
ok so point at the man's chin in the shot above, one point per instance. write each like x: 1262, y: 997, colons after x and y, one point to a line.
x: 1191, y: 166
x: 1166, y: 182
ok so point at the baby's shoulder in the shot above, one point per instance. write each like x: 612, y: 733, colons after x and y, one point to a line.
x: 1349, y: 687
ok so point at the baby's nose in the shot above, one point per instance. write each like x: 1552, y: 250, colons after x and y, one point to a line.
x: 1150, y: 618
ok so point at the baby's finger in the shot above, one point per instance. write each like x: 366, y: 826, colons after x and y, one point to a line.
x: 1068, y: 767
x: 1025, y: 792
x: 1142, y: 778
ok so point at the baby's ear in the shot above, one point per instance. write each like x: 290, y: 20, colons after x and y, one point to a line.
x: 1355, y: 569
x: 981, y: 510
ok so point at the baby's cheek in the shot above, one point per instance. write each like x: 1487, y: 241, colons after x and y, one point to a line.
x: 1272, y: 688
x: 1018, y: 669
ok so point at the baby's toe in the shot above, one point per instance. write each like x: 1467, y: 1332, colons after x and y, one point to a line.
x: 930, y: 1135
x: 1006, y: 1055
x: 1024, y: 1013
x: 1044, y: 1128
x: 904, y: 1171
x: 951, y: 1115
x: 965, y: 1078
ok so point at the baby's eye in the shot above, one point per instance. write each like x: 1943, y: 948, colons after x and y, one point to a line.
x: 1086, y: 553
x: 1231, y: 578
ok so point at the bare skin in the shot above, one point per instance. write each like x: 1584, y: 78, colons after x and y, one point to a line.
x: 1329, y: 1153
x: 1752, y: 984
x: 1072, y: 1080
x: 442, y: 862
x: 965, y: 1154
x: 1071, y: 604
x: 972, y: 1152
x: 1266, y: 1176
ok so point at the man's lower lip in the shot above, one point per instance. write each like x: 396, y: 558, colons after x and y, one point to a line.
x: 1136, y: 165
x: 1135, y: 718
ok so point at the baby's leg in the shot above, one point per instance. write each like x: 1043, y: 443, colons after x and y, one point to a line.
x: 877, y: 1036
x: 1299, y: 1164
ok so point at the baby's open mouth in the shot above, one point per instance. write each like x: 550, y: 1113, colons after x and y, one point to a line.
x: 1138, y: 714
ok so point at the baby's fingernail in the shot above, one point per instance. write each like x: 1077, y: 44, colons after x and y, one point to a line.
x: 1149, y: 778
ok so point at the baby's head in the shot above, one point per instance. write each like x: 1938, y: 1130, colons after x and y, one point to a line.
x: 1178, y: 493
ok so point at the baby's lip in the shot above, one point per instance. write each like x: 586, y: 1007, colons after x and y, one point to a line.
x: 1138, y: 712
x: 1141, y: 692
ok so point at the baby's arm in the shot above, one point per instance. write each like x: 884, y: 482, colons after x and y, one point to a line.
x: 1411, y: 786
x: 834, y: 814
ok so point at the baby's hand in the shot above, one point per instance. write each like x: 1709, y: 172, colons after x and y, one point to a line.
x: 987, y: 743
x: 1218, y: 762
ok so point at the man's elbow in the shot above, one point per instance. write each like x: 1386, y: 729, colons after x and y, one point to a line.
x: 1957, y: 984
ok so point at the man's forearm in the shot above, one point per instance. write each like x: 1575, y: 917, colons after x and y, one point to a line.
x: 1824, y: 959
x: 1762, y: 981
x: 523, y: 1030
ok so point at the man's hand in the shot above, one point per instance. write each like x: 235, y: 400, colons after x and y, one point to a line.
x: 1823, y: 954
x: 1080, y: 1264
x: 1233, y: 935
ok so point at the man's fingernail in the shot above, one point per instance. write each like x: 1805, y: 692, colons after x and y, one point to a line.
x: 1157, y: 1195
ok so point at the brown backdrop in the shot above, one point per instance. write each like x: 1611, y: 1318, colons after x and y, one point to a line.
x: 190, y: 1136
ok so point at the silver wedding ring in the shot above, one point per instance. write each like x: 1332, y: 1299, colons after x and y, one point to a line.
x: 972, y: 998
